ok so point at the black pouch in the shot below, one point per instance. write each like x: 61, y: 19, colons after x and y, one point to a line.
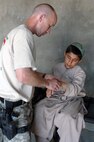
x: 8, y: 126
x: 9, y: 129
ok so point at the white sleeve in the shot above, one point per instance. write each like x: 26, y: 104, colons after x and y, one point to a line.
x: 22, y: 46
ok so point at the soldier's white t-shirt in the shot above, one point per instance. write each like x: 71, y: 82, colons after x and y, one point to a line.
x: 17, y: 51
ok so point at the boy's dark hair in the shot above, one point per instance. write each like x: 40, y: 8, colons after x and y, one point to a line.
x: 75, y: 50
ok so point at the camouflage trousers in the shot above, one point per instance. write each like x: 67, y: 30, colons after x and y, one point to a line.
x: 24, y: 118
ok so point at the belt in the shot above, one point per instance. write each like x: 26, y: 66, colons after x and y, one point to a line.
x: 10, y: 104
x: 24, y: 129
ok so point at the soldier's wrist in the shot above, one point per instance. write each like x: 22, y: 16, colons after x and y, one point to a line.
x: 46, y: 83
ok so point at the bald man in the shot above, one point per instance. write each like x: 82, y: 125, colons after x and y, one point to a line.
x: 18, y: 75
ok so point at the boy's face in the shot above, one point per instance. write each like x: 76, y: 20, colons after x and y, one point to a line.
x: 71, y: 60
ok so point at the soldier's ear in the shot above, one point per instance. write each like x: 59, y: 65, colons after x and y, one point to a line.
x: 80, y: 61
x: 42, y: 16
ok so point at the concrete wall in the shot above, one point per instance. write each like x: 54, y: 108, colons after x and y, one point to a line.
x: 75, y: 23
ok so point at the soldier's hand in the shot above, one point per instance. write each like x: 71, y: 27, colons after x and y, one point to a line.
x: 53, y: 84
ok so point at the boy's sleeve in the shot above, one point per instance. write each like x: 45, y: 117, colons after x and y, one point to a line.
x: 75, y: 87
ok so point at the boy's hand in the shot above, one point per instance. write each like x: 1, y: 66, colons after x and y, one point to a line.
x: 48, y: 93
x: 64, y: 86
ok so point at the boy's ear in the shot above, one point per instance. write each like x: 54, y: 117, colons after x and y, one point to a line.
x: 80, y: 61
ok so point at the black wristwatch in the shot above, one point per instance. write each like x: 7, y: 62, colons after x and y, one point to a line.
x: 44, y: 75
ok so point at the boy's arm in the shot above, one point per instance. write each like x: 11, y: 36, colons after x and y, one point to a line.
x: 75, y: 87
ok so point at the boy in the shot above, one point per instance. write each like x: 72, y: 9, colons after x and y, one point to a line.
x: 64, y: 108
